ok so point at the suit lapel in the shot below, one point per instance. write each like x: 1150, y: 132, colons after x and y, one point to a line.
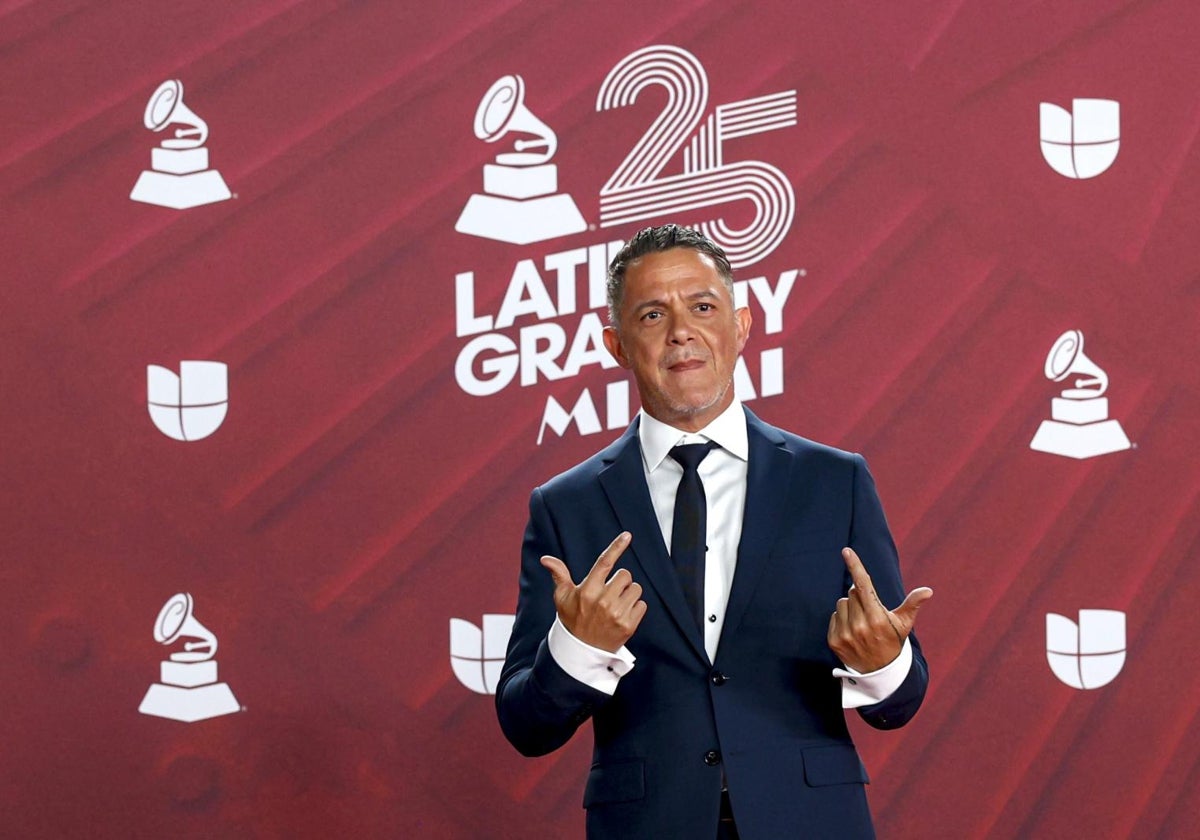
x: 770, y: 469
x: 624, y: 483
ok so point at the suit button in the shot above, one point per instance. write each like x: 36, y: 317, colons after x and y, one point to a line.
x: 719, y: 679
x: 712, y: 758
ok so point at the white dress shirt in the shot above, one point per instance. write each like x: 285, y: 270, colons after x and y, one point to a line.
x: 724, y: 473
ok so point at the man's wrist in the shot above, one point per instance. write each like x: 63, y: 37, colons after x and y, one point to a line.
x: 591, y: 666
x: 859, y: 689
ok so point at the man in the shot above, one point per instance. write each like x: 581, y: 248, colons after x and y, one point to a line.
x: 716, y: 640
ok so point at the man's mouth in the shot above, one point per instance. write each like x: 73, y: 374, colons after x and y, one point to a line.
x: 686, y: 365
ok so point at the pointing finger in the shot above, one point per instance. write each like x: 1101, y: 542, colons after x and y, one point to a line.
x: 858, y: 572
x: 604, y: 563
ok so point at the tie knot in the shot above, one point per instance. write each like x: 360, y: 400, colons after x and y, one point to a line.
x: 689, y: 455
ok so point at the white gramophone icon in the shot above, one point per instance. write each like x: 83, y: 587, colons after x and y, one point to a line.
x: 189, y: 690
x: 1080, y: 427
x: 179, y: 176
x: 521, y: 204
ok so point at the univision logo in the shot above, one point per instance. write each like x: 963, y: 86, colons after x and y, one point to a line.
x: 191, y: 405
x: 1089, y: 654
x: 1082, y: 142
x: 477, y: 656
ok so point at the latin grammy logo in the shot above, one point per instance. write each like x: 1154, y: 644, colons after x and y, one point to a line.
x: 179, y: 176
x: 520, y: 204
x: 188, y: 690
x: 1080, y: 427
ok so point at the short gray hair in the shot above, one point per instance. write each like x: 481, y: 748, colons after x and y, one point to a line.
x: 652, y: 240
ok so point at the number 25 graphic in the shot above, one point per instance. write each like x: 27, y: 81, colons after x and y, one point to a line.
x: 637, y: 191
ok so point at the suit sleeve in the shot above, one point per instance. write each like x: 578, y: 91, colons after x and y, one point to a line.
x: 538, y: 703
x: 872, y: 541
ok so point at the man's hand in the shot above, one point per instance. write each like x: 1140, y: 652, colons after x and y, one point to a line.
x: 863, y: 633
x: 599, y: 613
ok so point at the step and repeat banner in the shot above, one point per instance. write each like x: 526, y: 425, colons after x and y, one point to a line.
x: 302, y: 298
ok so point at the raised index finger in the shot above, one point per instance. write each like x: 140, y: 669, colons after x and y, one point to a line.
x: 858, y: 572
x: 604, y: 563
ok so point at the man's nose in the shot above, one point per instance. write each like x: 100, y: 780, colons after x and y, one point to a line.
x: 680, y: 331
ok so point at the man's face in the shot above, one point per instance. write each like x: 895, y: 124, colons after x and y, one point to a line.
x: 680, y: 335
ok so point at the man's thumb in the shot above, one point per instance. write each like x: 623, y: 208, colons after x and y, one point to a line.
x: 558, y: 571
x: 907, y: 612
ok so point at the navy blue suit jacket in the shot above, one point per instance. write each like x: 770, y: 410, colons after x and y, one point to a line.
x: 766, y: 716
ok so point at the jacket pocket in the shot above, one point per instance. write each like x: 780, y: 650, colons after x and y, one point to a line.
x: 622, y: 781
x: 834, y: 765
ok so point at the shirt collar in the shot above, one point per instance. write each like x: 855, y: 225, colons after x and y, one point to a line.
x: 727, y: 430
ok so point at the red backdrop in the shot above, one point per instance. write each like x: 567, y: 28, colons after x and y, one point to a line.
x: 356, y: 498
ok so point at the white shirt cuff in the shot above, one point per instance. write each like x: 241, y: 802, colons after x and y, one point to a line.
x: 865, y: 689
x: 592, y: 666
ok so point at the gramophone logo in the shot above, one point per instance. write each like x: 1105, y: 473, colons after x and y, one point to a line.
x: 476, y: 656
x: 1080, y: 426
x: 188, y: 689
x: 1089, y: 654
x: 190, y: 405
x: 1082, y: 142
x: 521, y: 202
x: 179, y: 176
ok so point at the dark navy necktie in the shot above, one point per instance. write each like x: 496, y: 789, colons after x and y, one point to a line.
x: 689, y: 532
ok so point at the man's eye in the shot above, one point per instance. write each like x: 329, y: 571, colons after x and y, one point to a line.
x: 651, y: 316
x: 704, y: 307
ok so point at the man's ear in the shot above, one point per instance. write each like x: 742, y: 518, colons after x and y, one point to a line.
x: 612, y: 341
x: 744, y: 320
